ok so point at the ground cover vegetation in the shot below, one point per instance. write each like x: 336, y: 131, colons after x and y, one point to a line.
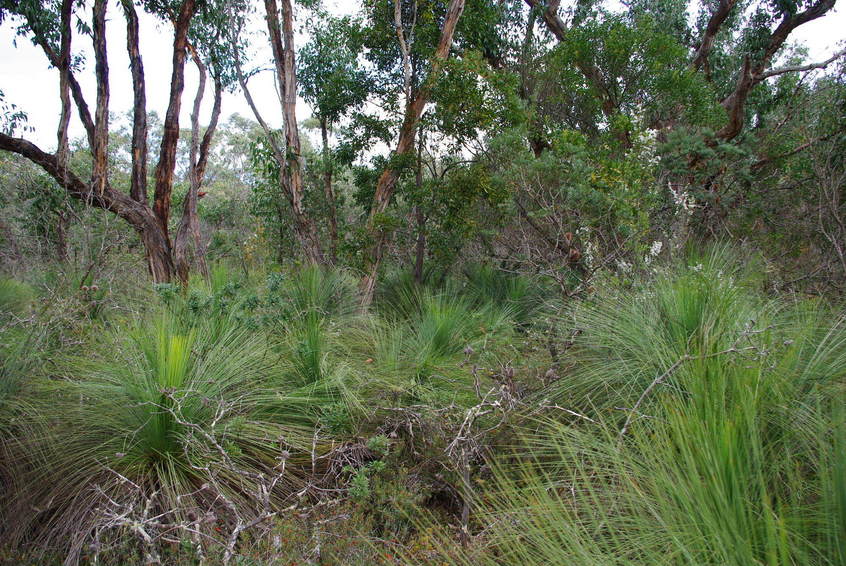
x: 526, y: 283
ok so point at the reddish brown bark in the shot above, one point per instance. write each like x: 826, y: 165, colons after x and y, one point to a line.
x: 700, y: 60
x: 150, y: 222
x: 754, y: 71
x: 170, y: 136
x: 138, y: 215
x: 138, y: 178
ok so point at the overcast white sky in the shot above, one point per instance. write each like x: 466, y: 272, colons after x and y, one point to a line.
x: 28, y: 82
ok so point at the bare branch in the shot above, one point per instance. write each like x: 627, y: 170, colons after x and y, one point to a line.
x: 801, y: 68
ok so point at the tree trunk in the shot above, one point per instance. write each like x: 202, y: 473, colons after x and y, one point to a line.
x: 388, y: 179
x: 189, y: 225
x: 420, y: 251
x: 420, y: 217
x: 62, y: 222
x: 291, y: 174
x: 150, y: 223
x: 138, y: 183
x: 100, y: 148
x: 64, y: 81
x: 138, y: 215
x: 157, y: 251
x: 170, y: 137
x: 329, y: 191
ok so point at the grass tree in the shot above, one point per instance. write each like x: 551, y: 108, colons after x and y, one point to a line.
x: 172, y: 423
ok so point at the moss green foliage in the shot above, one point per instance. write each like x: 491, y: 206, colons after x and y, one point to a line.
x: 735, y: 456
x: 695, y: 422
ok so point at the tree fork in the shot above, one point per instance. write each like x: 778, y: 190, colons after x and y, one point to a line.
x: 387, y: 182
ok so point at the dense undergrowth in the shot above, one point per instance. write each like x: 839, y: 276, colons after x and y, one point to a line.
x: 681, y: 417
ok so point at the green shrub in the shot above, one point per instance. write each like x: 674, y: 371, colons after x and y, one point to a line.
x: 716, y: 437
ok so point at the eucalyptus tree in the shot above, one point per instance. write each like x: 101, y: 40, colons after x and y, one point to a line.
x: 286, y: 152
x: 684, y: 92
x: 49, y: 25
x: 333, y: 82
x: 212, y: 55
x: 419, y: 74
x: 735, y: 46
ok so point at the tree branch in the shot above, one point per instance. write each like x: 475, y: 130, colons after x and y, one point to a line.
x: 138, y: 183
x: 801, y: 68
x: 709, y: 35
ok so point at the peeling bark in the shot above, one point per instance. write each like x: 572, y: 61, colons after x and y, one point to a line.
x: 282, y: 44
x: 754, y: 71
x: 138, y: 215
x: 138, y: 179
x: 100, y: 147
x: 189, y: 225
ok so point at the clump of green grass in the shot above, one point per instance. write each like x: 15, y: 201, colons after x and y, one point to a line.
x: 151, y: 415
x: 734, y: 457
x: 327, y: 293
x: 526, y: 299
x: 15, y: 296
x: 629, y: 337
x: 315, y: 376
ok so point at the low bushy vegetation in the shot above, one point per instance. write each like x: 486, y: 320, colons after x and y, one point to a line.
x: 682, y: 417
